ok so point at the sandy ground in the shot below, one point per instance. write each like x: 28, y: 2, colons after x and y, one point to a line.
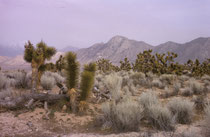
x: 33, y: 124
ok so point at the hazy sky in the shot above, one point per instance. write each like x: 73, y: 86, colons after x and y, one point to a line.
x: 82, y: 23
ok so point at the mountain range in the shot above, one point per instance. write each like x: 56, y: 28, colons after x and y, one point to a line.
x: 119, y: 47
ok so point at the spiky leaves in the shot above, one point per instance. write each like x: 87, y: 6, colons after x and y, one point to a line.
x: 72, y: 70
x: 29, y: 51
x: 87, y: 81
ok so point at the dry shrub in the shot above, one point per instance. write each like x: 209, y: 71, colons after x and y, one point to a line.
x: 3, y: 82
x: 182, y: 109
x: 196, y: 87
x: 148, y: 99
x: 124, y: 116
x: 47, y: 82
x: 160, y: 117
x: 158, y: 83
x: 114, y: 83
x: 206, y: 128
x: 187, y: 91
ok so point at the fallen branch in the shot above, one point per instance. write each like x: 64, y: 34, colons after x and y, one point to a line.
x: 19, y: 102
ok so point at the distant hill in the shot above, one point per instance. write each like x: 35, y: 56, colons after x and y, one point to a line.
x: 10, y: 51
x: 196, y: 49
x: 68, y: 48
x: 119, y: 47
x: 116, y: 49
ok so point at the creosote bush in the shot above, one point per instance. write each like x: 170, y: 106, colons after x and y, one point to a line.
x: 124, y: 116
x: 47, y: 82
x: 182, y: 109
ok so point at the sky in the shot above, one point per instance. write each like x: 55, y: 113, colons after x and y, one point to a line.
x: 82, y: 23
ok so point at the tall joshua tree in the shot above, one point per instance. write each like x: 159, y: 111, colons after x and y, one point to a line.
x: 37, y: 56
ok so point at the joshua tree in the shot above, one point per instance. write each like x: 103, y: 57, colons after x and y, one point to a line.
x: 87, y: 81
x: 37, y: 56
x: 60, y: 63
x: 125, y: 65
x: 72, y: 70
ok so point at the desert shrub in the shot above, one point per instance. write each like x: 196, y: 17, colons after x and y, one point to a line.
x: 187, y: 91
x: 158, y: 83
x: 176, y: 88
x: 124, y: 116
x: 205, y: 77
x: 148, y: 99
x: 21, y: 80
x: 47, y: 82
x: 196, y: 87
x: 5, y: 93
x: 182, y: 109
x: 160, y: 117
x: 200, y: 102
x: 114, y: 83
x: 206, y: 128
x: 183, y: 78
x: 167, y: 78
x: 3, y: 81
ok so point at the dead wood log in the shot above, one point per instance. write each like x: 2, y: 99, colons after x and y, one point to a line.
x: 19, y: 102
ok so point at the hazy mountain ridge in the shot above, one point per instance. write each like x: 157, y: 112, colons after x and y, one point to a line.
x: 119, y: 47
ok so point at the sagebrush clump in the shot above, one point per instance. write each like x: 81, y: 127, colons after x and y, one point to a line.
x: 182, y: 109
x: 47, y: 82
x: 124, y: 116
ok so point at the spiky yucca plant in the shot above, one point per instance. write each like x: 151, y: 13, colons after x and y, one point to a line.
x: 87, y: 81
x: 86, y: 85
x: 37, y: 56
x: 72, y: 70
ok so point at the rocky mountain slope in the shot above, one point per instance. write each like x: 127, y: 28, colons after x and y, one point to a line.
x: 119, y: 47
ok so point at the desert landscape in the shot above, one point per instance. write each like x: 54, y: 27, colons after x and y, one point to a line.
x: 123, y: 68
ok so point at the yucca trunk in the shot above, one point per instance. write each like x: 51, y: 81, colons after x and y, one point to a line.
x: 34, y: 76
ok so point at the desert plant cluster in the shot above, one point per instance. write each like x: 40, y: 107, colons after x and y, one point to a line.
x: 154, y: 92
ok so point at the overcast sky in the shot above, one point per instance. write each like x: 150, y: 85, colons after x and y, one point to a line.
x: 82, y: 23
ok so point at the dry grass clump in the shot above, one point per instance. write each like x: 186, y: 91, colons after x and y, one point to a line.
x: 47, y: 82
x: 205, y: 77
x: 124, y: 116
x: 182, y: 109
x: 160, y: 117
